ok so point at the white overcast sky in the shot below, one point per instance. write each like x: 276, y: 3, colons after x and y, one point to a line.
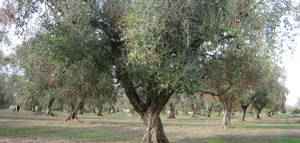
x: 291, y: 62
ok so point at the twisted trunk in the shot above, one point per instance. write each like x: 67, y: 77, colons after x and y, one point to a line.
x: 172, y: 112
x: 226, y: 117
x: 100, y: 111
x: 257, y: 114
x: 219, y: 109
x: 149, y: 109
x: 210, y: 107
x: 61, y: 108
x: 193, y: 109
x: 74, y: 110
x: 112, y: 109
x: 32, y: 108
x: 154, y: 132
x: 81, y: 109
x: 185, y: 111
x: 49, y: 105
x: 244, y: 108
x: 39, y: 109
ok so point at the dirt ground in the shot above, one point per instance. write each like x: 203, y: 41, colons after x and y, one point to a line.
x: 27, y: 127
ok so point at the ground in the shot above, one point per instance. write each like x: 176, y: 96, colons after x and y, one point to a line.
x: 28, y: 127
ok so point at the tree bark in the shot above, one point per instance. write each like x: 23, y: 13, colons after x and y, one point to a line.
x: 257, y: 114
x: 172, y: 112
x: 219, y: 109
x: 32, y: 108
x: 112, y: 109
x: 154, y: 132
x: 226, y: 117
x: 185, y: 111
x: 100, y: 111
x: 210, y: 107
x: 244, y: 108
x: 49, y: 105
x: 149, y: 109
x: 39, y: 109
x: 61, y: 108
x: 81, y: 109
x: 193, y: 109
x: 93, y: 110
x: 74, y: 110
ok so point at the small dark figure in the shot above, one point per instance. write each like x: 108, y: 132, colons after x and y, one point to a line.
x: 18, y: 108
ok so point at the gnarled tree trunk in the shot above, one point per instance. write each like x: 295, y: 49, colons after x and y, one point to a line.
x: 244, y: 108
x: 226, y: 117
x: 39, y: 109
x: 257, y: 114
x: 100, y: 111
x: 193, y: 109
x: 32, y: 108
x: 81, y: 109
x: 219, y: 109
x: 112, y: 109
x: 210, y: 107
x: 149, y: 109
x: 172, y: 112
x: 49, y: 105
x: 74, y: 110
x: 154, y: 132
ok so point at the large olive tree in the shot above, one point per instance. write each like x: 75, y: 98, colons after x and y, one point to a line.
x: 155, y: 47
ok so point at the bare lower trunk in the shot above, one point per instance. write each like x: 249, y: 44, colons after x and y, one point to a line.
x: 172, y: 112
x: 226, y: 117
x: 49, y: 105
x: 244, y: 108
x: 244, y: 114
x: 150, y: 109
x: 194, y: 110
x: 112, y: 109
x: 81, y: 109
x: 32, y: 108
x: 61, y: 108
x: 257, y: 114
x: 219, y: 108
x: 100, y: 111
x: 185, y: 112
x: 93, y: 110
x: 39, y: 109
x: 74, y: 110
x: 73, y: 114
x: 154, y: 132
x: 210, y: 107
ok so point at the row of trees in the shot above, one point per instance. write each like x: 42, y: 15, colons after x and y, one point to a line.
x: 85, y: 51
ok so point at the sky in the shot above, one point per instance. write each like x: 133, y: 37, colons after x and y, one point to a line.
x: 291, y: 64
x: 290, y: 61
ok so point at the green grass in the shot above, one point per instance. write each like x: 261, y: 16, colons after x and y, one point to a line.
x: 289, y: 140
x: 62, y: 132
x: 217, y: 140
x: 120, y: 127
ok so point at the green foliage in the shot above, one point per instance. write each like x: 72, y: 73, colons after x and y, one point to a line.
x: 296, y: 111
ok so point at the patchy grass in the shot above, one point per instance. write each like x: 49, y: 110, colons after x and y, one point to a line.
x: 121, y: 128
